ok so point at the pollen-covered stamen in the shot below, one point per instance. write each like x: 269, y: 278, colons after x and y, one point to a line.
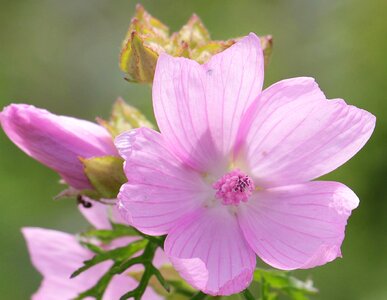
x: 234, y: 187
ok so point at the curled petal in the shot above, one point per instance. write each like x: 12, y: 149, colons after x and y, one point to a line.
x: 209, y: 251
x: 56, y: 141
x: 199, y: 107
x: 293, y: 134
x: 298, y: 226
x: 160, y: 189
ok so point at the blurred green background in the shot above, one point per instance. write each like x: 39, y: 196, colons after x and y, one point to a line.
x: 63, y: 55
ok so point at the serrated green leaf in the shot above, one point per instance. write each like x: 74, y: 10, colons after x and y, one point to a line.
x: 106, y: 174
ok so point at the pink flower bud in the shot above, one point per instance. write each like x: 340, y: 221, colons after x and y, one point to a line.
x: 56, y: 141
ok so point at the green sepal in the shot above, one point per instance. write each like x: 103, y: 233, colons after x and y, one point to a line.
x: 267, y: 47
x: 138, y: 60
x: 124, y: 117
x: 105, y: 174
x: 194, y: 34
x: 144, y: 41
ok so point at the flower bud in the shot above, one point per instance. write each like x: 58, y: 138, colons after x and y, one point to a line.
x: 57, y: 141
x: 147, y: 38
x: 124, y: 117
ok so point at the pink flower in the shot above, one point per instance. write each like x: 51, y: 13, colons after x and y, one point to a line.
x: 56, y: 141
x: 56, y: 255
x: 229, y: 176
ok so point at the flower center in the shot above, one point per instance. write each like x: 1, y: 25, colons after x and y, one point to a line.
x: 234, y: 187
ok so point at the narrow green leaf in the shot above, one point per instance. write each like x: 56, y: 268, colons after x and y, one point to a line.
x: 107, y: 235
x: 283, y: 282
x: 123, y: 266
x: 98, y: 289
x: 160, y: 278
x: 92, y: 247
x: 115, y: 254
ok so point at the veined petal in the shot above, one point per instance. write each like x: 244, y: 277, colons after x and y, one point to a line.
x: 160, y: 188
x: 298, y: 226
x: 199, y: 107
x: 56, y: 141
x: 293, y: 134
x: 209, y: 251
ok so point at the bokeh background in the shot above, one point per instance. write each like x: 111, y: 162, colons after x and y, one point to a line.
x: 63, y: 55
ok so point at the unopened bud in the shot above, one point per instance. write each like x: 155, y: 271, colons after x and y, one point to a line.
x: 147, y: 38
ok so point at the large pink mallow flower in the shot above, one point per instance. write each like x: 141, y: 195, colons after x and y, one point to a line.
x: 56, y: 141
x: 229, y: 176
x: 56, y: 255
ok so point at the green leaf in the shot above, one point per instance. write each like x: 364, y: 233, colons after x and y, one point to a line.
x: 199, y: 296
x: 98, y: 289
x: 106, y: 235
x: 247, y: 295
x: 117, y: 254
x: 106, y: 174
x: 124, y: 117
x: 283, y: 282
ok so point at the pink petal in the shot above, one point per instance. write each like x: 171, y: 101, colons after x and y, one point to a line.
x: 101, y: 215
x: 56, y: 141
x: 298, y: 226
x: 120, y: 285
x: 198, y: 107
x: 209, y: 251
x: 294, y: 134
x: 56, y: 255
x: 97, y: 215
x: 160, y: 189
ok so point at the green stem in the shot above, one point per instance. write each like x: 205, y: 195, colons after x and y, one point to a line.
x: 263, y: 289
x: 199, y: 296
x: 147, y: 258
x: 248, y: 295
